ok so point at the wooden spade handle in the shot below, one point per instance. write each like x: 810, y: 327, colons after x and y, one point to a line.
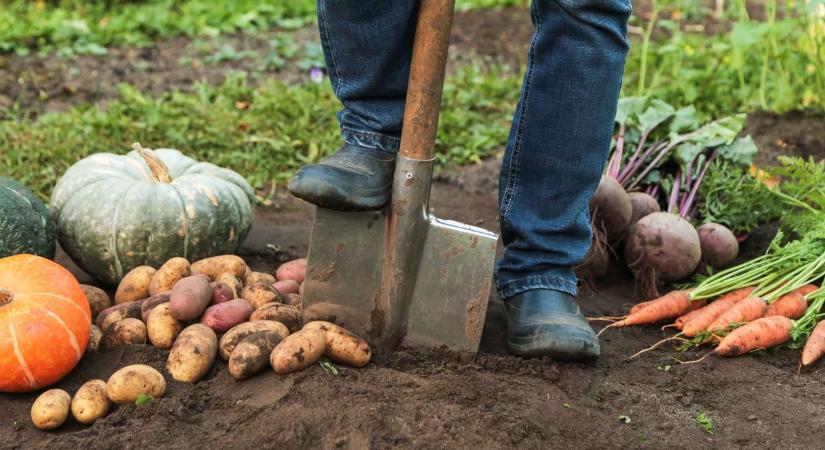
x: 429, y: 60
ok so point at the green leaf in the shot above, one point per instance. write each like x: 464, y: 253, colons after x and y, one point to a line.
x: 704, y: 421
x: 328, y: 367
x: 686, y: 152
x: 657, y: 113
x: 741, y: 151
x: 629, y: 106
x: 143, y: 400
x: 685, y: 119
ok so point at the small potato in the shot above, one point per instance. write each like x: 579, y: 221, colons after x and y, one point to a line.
x: 251, y: 355
x: 162, y: 327
x: 116, y: 313
x: 221, y: 292
x: 152, y: 302
x: 232, y: 281
x: 260, y: 294
x: 128, y: 331
x: 286, y: 287
x: 190, y: 297
x: 135, y: 285
x: 216, y: 265
x: 91, y: 402
x: 193, y: 353
x: 279, y: 312
x: 258, y: 278
x: 169, y: 273
x: 293, y: 300
x: 234, y: 336
x: 98, y: 298
x: 298, y: 351
x: 95, y: 335
x: 223, y: 316
x: 126, y: 385
x: 292, y: 270
x: 342, y: 345
x: 51, y: 409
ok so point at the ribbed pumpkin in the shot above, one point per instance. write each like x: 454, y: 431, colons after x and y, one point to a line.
x: 25, y: 225
x: 44, y: 323
x: 117, y: 212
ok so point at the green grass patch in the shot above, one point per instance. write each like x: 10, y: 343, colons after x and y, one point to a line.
x: 265, y: 133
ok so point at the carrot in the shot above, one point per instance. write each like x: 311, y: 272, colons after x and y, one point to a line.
x: 805, y: 290
x: 640, y: 305
x: 745, y: 311
x: 761, y: 333
x: 737, y: 295
x: 665, y: 307
x: 701, y: 320
x: 815, y: 347
x: 792, y: 306
x: 686, y: 317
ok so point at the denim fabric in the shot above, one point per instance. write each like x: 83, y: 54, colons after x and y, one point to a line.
x: 560, y: 134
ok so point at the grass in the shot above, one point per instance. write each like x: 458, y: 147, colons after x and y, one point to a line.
x: 264, y: 133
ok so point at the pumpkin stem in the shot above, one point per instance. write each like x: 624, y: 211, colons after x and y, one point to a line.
x: 160, y: 172
x: 6, y: 296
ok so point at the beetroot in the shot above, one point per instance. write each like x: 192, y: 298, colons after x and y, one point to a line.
x: 662, y: 247
x: 596, y: 262
x: 643, y: 204
x: 719, y: 245
x: 611, y: 208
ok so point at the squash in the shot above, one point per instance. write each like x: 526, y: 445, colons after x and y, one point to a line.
x: 118, y: 212
x: 25, y: 225
x: 45, y: 323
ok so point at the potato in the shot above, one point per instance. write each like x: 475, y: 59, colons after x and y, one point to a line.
x: 221, y: 292
x: 251, y: 355
x: 169, y: 273
x: 135, y: 285
x: 258, y: 278
x: 51, y: 409
x: 260, y: 294
x: 216, y: 265
x: 128, y: 331
x: 342, y: 345
x: 298, y: 351
x: 162, y: 327
x: 226, y: 315
x: 286, y: 287
x: 232, y: 281
x: 98, y: 298
x: 116, y: 313
x: 301, y: 289
x: 286, y: 314
x: 293, y: 300
x: 193, y: 353
x: 91, y: 402
x: 234, y: 336
x: 152, y: 302
x: 190, y: 297
x: 126, y: 385
x: 292, y: 270
x: 95, y: 335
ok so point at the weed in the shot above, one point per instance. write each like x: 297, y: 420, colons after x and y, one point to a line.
x: 704, y: 421
x: 143, y: 400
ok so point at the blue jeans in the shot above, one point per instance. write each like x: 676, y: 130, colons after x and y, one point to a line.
x: 560, y: 134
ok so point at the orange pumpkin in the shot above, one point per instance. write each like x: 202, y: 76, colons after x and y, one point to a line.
x: 44, y: 323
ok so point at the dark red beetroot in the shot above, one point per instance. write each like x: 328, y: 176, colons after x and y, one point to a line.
x: 611, y: 208
x: 643, y: 205
x: 719, y: 245
x: 662, y: 247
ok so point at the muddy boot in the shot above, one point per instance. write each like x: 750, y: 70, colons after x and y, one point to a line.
x: 352, y: 179
x: 545, y: 322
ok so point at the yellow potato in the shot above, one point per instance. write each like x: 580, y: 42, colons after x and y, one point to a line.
x: 342, y: 346
x: 232, y: 281
x: 193, y: 353
x: 51, y: 409
x: 135, y: 285
x: 169, y: 273
x: 239, y: 332
x: 162, y: 326
x: 279, y: 312
x: 98, y: 298
x: 298, y: 351
x: 251, y: 355
x: 95, y: 335
x: 258, y: 278
x: 128, y: 383
x: 293, y: 300
x: 259, y: 295
x: 128, y: 331
x: 216, y: 265
x: 91, y: 402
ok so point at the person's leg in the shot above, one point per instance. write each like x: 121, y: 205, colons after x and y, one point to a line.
x: 367, y: 47
x: 554, y: 158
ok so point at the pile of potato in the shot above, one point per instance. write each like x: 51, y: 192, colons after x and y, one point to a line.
x: 185, y: 307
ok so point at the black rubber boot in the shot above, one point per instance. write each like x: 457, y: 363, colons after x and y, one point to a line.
x: 545, y: 322
x: 353, y: 179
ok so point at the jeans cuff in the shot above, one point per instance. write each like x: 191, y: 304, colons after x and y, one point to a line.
x: 512, y: 288
x: 370, y: 139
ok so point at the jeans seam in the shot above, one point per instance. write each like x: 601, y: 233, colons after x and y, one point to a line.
x: 326, y: 40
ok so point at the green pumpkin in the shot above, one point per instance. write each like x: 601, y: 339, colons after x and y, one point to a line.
x: 25, y: 225
x: 114, y: 212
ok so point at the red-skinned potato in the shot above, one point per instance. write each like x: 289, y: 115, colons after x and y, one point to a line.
x: 190, y: 297
x: 292, y: 270
x: 223, y: 316
x: 221, y: 292
x: 286, y: 287
x: 298, y: 351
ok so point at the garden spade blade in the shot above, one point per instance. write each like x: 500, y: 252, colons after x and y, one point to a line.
x: 401, y: 276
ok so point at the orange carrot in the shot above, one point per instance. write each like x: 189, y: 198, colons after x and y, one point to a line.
x: 791, y: 305
x: 640, y: 305
x: 705, y: 317
x: 737, y: 295
x: 747, y: 310
x: 805, y: 290
x: 665, y: 307
x: 761, y: 333
x: 686, y: 317
x: 815, y: 347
